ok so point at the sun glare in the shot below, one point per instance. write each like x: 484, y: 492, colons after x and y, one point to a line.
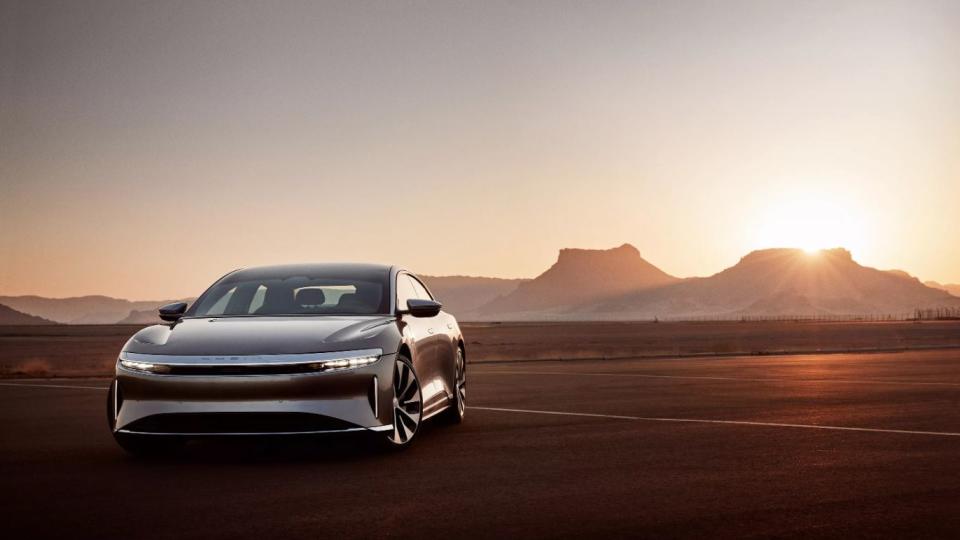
x: 811, y: 222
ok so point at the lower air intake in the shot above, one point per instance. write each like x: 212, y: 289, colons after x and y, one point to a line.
x: 213, y: 423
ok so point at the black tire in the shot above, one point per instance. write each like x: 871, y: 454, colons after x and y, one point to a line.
x: 455, y: 413
x: 407, y: 405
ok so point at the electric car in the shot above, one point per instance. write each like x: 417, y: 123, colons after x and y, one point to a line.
x: 289, y: 350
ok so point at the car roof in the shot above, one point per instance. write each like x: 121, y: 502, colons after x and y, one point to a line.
x: 313, y: 268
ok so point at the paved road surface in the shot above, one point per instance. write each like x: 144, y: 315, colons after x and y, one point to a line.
x: 689, y: 447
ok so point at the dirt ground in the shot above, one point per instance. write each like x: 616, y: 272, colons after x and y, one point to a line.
x: 519, y: 341
x: 90, y: 351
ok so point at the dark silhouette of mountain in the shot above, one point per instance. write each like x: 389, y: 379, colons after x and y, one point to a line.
x: 463, y: 294
x: 81, y: 309
x: 579, y: 276
x: 10, y: 316
x: 952, y: 288
x: 775, y: 282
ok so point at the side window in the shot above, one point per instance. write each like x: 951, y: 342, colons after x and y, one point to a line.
x: 422, y: 293
x: 405, y: 290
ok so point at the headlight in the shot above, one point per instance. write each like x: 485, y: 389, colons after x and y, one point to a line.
x: 344, y: 363
x: 148, y: 367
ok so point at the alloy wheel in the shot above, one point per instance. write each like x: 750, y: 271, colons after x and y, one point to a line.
x: 461, y: 383
x: 407, y: 403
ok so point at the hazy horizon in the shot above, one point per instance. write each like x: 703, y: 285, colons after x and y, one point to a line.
x: 147, y: 149
x: 804, y: 252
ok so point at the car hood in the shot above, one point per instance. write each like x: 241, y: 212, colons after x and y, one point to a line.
x: 266, y: 335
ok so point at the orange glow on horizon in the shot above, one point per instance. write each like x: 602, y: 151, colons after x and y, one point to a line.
x: 812, y: 221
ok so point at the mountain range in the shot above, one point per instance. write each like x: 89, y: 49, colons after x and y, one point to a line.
x: 619, y: 284
x: 782, y: 282
x: 81, y: 309
x: 10, y: 316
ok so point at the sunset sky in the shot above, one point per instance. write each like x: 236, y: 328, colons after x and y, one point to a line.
x: 146, y: 148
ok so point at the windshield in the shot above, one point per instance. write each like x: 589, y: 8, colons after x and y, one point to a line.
x: 303, y: 293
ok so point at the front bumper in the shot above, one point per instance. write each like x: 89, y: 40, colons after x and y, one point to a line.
x: 355, y: 399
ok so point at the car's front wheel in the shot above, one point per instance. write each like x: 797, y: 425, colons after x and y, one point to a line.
x: 407, y: 404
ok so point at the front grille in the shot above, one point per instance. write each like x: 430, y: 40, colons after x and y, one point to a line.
x: 240, y: 369
x: 236, y: 423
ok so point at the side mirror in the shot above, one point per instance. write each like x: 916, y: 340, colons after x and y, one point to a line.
x: 173, y: 312
x: 423, y: 308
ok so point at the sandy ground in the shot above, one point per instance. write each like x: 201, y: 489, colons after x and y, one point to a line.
x: 519, y: 341
x: 90, y: 351
x: 840, y: 445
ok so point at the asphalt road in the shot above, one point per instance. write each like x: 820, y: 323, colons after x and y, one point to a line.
x: 759, y: 446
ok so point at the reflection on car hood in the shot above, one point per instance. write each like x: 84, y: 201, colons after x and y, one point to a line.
x: 265, y: 335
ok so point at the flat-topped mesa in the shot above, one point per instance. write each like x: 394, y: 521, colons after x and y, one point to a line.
x: 583, y: 275
x: 625, y: 251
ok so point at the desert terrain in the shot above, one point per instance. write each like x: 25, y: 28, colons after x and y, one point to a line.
x: 650, y: 429
x: 818, y: 445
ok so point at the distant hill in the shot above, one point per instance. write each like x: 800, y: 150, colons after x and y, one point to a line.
x: 579, y: 276
x: 952, y: 288
x: 81, y: 309
x: 146, y: 316
x: 10, y: 316
x: 775, y: 282
x: 464, y: 294
x: 149, y: 316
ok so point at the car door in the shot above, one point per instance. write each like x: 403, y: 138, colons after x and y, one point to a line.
x: 436, y: 375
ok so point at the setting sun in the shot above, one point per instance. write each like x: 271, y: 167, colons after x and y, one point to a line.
x: 812, y: 222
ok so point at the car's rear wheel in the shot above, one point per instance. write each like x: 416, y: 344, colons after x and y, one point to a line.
x: 458, y: 407
x: 407, y: 404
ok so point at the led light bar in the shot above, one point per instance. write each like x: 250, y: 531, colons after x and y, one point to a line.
x: 248, y: 365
